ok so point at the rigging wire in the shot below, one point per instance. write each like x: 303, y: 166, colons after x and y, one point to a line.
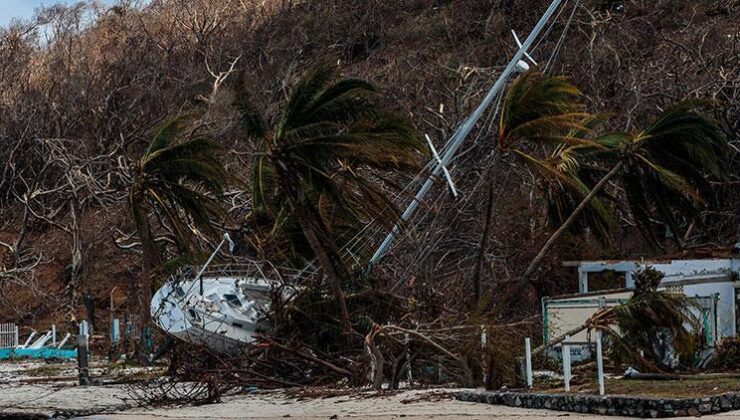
x: 426, y: 250
x: 550, y: 27
x: 561, y: 40
x: 558, y: 47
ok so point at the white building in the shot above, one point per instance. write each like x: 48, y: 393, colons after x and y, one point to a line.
x: 712, y: 283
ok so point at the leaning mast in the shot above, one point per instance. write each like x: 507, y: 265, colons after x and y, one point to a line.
x: 464, y: 130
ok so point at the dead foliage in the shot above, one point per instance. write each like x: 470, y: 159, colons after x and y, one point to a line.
x: 727, y: 357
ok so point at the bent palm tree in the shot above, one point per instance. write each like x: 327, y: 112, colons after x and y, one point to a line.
x: 543, y: 123
x: 649, y: 323
x: 546, y: 113
x: 664, y: 169
x: 312, y: 157
x: 177, y: 182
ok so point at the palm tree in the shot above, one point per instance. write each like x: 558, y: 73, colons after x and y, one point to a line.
x: 650, y: 314
x: 643, y: 327
x: 543, y: 124
x: 314, y: 159
x: 664, y: 170
x: 177, y: 182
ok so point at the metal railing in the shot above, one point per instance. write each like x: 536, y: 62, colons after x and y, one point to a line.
x: 253, y: 269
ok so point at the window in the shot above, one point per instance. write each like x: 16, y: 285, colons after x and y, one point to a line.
x: 606, y: 280
x: 233, y: 300
x: 193, y: 314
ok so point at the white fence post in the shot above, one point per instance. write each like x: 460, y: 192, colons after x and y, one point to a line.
x: 53, y: 335
x: 83, y: 340
x: 566, y: 364
x: 8, y: 336
x: 599, y: 362
x: 64, y: 340
x: 40, y: 341
x: 528, y: 361
x: 483, y: 345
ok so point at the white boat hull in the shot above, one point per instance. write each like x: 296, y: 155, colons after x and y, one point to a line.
x: 226, y: 318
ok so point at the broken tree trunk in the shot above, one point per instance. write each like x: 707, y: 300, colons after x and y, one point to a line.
x: 377, y: 360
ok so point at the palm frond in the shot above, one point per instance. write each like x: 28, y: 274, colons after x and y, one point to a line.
x: 331, y: 136
x: 263, y: 186
x: 179, y: 182
x: 165, y: 134
x: 209, y: 174
x: 198, y: 148
x: 341, y: 102
x: 540, y: 107
x: 671, y: 165
x: 306, y: 90
x: 651, y: 312
x: 564, y: 189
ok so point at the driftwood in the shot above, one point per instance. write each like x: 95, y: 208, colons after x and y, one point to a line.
x: 314, y: 359
x: 652, y: 376
x: 425, y: 339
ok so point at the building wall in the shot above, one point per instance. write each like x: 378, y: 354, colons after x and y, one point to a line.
x: 695, y: 277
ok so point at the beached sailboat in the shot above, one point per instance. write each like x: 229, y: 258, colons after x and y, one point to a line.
x: 223, y: 307
x: 225, y: 317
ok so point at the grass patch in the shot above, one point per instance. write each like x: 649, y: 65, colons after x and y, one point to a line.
x: 701, y: 386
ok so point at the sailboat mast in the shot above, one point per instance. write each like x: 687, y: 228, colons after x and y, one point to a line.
x: 462, y: 132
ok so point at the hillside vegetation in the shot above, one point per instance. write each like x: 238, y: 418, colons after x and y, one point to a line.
x: 83, y: 89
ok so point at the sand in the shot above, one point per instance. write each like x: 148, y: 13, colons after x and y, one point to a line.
x: 114, y: 402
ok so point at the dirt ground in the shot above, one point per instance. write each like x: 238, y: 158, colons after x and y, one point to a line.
x: 36, y: 388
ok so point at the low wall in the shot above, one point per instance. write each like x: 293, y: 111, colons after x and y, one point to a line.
x: 45, y: 353
x: 608, y: 405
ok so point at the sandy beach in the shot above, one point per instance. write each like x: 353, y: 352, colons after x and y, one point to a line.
x: 46, y: 390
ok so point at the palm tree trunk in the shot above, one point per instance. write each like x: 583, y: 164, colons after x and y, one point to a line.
x: 327, y: 265
x: 485, y: 238
x: 308, y: 220
x: 568, y: 222
x: 150, y: 260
